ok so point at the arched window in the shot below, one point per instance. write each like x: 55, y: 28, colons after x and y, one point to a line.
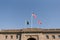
x: 31, y: 39
x: 47, y: 36
x: 59, y: 36
x: 11, y: 37
x: 6, y: 36
x: 17, y: 36
x: 53, y: 36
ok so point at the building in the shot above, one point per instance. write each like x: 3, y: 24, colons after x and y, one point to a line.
x: 30, y: 34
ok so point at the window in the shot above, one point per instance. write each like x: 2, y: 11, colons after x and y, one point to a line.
x: 6, y: 37
x: 53, y: 36
x: 47, y: 36
x: 59, y: 36
x: 16, y: 36
x: 11, y: 37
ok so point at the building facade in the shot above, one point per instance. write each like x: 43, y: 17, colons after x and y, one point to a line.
x: 30, y: 34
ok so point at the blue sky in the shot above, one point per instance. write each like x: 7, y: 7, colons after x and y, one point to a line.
x: 13, y: 13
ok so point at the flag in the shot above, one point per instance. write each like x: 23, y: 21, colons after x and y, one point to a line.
x: 39, y: 22
x: 34, y: 15
x: 27, y: 22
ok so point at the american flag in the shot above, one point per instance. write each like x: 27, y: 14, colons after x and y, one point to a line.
x: 34, y: 15
x: 39, y: 22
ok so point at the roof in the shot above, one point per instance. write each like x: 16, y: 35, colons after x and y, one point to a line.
x: 31, y: 30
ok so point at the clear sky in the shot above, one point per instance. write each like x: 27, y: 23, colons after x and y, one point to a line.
x: 13, y: 13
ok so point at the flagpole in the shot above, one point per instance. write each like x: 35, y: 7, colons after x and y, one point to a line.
x: 32, y: 15
x: 31, y: 21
